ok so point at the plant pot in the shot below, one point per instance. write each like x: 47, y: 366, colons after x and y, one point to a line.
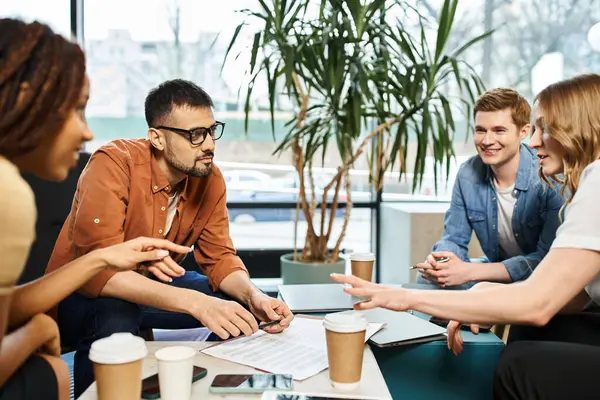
x: 297, y: 272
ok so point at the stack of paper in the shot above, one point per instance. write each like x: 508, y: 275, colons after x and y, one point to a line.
x: 300, y: 350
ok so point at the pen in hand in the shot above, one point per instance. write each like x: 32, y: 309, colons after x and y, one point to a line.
x: 264, y: 325
x: 441, y: 260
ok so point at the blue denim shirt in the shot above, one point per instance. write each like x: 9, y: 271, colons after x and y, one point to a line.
x: 474, y: 207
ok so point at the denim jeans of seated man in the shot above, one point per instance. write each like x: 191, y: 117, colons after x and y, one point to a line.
x: 83, y: 320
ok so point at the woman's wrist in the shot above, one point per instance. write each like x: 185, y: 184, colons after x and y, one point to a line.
x: 410, y: 298
x: 95, y: 260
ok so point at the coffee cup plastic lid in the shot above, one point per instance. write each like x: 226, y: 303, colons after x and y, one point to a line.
x: 345, y: 322
x: 175, y: 353
x: 119, y: 348
x: 362, y: 257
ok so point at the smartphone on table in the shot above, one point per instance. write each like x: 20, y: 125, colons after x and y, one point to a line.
x: 251, y: 383
x: 151, y: 389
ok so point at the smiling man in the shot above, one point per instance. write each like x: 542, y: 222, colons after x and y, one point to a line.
x: 165, y: 186
x: 499, y: 195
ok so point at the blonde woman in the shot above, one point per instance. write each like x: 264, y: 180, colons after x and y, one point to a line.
x: 567, y: 139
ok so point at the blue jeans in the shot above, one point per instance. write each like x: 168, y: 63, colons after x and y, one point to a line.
x: 83, y: 320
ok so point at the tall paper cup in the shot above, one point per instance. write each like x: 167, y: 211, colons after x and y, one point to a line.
x: 345, y: 334
x: 118, y: 366
x: 175, y: 370
x: 362, y: 265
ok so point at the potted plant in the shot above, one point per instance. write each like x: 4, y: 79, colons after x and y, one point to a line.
x: 343, y: 65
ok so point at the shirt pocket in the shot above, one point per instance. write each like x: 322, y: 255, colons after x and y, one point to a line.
x: 475, y: 216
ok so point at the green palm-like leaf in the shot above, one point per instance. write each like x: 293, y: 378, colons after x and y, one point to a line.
x: 361, y: 68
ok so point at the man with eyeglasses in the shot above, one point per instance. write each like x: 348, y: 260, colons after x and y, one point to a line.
x: 165, y: 186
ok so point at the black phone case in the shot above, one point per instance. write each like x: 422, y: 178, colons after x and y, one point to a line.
x: 156, y: 395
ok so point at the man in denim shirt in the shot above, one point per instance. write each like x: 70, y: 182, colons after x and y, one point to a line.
x: 499, y: 194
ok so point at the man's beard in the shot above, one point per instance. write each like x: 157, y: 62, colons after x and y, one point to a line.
x: 194, y: 170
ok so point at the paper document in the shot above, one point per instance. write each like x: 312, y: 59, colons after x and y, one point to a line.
x: 300, y: 350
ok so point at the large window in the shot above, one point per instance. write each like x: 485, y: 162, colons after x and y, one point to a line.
x: 535, y: 43
x: 56, y: 13
x: 133, y: 45
x: 145, y: 42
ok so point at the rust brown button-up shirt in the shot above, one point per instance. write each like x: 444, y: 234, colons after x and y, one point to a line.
x: 123, y: 194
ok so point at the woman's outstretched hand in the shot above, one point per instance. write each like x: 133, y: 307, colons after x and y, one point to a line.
x: 375, y: 295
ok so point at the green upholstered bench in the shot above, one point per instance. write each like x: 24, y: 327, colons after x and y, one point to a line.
x: 431, y: 371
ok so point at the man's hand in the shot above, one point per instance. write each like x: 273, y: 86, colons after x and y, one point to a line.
x: 224, y: 318
x: 144, y: 253
x: 376, y: 295
x: 164, y: 269
x: 268, y: 308
x: 453, y: 272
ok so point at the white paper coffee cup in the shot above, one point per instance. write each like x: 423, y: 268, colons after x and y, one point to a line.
x: 362, y: 257
x: 345, y: 333
x: 175, y: 371
x: 118, y: 366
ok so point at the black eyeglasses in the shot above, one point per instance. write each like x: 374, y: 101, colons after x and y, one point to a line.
x: 197, y: 136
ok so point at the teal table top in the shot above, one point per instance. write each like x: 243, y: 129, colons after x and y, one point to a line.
x: 431, y: 371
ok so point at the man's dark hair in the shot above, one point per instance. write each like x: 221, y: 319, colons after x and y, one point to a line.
x: 174, y: 93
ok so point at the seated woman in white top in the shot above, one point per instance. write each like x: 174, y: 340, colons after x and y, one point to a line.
x: 567, y: 137
x: 43, y: 94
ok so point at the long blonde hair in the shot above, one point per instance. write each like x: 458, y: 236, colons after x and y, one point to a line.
x: 571, y: 110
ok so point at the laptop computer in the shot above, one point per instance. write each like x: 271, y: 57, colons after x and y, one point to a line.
x: 402, y: 328
x: 327, y: 297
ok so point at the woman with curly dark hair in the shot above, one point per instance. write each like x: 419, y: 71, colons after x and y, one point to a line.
x: 43, y: 95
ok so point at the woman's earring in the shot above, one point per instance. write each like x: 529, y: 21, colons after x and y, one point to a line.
x: 545, y: 137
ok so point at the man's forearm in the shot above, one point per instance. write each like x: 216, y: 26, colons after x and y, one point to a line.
x: 493, y: 272
x: 461, y: 251
x: 239, y: 286
x: 138, y: 289
x: 42, y: 294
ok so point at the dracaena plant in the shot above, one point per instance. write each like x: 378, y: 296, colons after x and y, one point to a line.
x: 347, y: 65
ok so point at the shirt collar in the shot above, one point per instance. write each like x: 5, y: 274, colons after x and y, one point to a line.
x: 159, y: 180
x: 525, y: 169
x: 523, y: 172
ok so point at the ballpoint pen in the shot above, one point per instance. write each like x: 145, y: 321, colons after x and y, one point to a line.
x: 441, y: 260
x: 264, y: 325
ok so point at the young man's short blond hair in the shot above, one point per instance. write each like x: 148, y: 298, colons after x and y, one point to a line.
x: 502, y: 98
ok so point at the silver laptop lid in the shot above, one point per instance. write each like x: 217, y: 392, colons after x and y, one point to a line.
x: 316, y: 297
